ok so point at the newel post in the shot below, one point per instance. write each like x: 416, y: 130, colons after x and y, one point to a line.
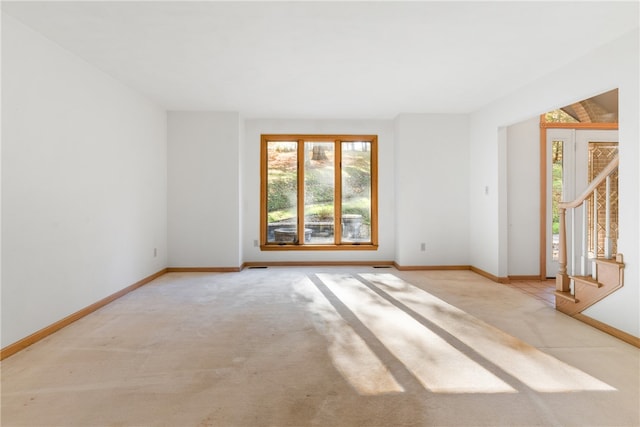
x: 562, y: 278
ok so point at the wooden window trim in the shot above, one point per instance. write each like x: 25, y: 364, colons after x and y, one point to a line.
x: 596, y: 126
x: 337, y: 140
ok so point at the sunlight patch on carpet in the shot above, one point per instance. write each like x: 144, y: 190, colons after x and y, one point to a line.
x: 536, y: 369
x: 349, y: 353
x: 434, y: 362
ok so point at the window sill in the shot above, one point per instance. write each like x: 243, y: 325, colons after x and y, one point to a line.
x: 309, y: 247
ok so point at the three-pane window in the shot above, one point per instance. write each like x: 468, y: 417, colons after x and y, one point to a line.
x: 318, y: 192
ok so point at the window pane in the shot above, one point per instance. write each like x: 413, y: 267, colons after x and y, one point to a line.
x: 282, y: 189
x: 600, y: 155
x: 317, y: 192
x: 319, y: 187
x: 556, y: 198
x: 356, y: 191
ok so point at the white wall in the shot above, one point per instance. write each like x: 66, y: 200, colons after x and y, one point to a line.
x: 610, y: 66
x: 432, y: 189
x: 523, y: 197
x: 83, y: 184
x: 241, y: 180
x: 251, y: 187
x: 203, y: 191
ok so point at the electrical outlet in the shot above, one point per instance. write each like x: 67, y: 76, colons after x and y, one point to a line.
x: 255, y: 243
x: 155, y: 252
x: 423, y: 247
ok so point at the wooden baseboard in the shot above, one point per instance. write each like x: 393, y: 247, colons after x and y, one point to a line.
x: 316, y: 263
x: 628, y: 338
x: 489, y: 275
x: 203, y: 269
x: 457, y: 267
x: 430, y: 267
x: 537, y: 277
x: 48, y: 330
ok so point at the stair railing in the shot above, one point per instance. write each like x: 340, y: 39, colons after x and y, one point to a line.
x: 563, y: 282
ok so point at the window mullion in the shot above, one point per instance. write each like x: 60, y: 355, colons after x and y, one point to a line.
x: 337, y: 197
x: 374, y: 191
x: 300, y: 224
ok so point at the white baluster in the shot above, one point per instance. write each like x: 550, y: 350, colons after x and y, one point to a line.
x: 585, y: 228
x: 562, y: 278
x: 572, y: 258
x: 607, y: 220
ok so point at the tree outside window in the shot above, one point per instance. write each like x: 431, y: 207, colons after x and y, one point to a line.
x: 319, y: 191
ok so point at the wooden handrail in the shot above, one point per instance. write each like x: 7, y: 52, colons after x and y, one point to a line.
x: 562, y: 278
x: 592, y: 186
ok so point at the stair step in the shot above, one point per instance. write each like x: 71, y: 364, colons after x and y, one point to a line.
x: 609, y: 262
x: 587, y: 280
x: 566, y: 295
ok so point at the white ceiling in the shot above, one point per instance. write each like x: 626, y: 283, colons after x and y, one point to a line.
x: 327, y: 59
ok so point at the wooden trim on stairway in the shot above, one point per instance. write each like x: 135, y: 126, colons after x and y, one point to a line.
x: 544, y: 125
x: 12, y: 349
x: 602, y: 176
x: 628, y: 338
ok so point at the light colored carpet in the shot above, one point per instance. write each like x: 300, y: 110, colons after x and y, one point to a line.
x: 324, y: 347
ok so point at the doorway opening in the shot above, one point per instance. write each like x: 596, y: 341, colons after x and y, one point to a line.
x: 576, y: 142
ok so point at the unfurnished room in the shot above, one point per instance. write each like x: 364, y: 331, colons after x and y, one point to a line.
x: 317, y: 213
